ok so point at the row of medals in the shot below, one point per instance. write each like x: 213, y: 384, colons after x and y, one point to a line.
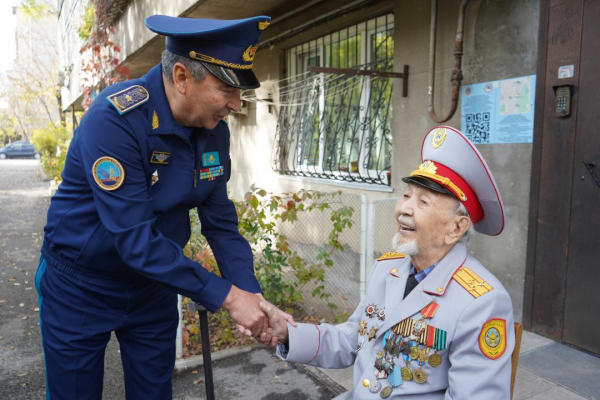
x: 395, y: 345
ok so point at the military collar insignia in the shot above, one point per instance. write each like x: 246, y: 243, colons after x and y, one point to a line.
x: 108, y: 173
x: 128, y: 99
x: 155, y: 123
x: 438, y: 280
x: 160, y: 157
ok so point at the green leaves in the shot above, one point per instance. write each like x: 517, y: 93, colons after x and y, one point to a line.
x: 281, y: 271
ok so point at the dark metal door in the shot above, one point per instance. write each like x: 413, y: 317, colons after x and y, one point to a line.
x: 582, y: 308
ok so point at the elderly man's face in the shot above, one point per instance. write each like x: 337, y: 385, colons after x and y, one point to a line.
x: 425, y: 221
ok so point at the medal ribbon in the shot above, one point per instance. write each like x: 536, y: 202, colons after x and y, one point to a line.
x: 430, y: 310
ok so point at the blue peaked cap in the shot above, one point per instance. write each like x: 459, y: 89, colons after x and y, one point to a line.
x: 225, y: 47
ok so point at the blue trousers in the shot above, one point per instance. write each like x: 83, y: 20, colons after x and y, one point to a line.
x: 77, y: 318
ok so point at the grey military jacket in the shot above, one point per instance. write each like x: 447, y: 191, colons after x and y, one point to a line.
x: 467, y: 317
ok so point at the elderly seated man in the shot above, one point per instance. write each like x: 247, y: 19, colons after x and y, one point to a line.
x: 434, y: 324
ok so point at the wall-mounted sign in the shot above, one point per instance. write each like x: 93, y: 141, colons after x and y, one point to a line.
x: 566, y: 71
x: 499, y: 111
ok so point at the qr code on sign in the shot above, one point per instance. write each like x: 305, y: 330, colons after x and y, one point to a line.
x: 478, y: 127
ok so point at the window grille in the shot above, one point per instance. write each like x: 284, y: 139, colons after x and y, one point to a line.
x: 336, y: 125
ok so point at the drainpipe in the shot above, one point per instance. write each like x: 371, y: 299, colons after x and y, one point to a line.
x: 457, y: 76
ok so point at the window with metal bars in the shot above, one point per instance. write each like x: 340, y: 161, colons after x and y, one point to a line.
x: 337, y: 124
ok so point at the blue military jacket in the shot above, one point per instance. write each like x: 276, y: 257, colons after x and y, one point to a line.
x: 138, y: 230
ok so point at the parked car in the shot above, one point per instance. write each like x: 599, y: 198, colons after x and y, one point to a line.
x: 19, y: 149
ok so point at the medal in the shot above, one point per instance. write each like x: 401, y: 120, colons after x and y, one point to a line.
x: 381, y: 314
x: 419, y: 327
x: 366, y: 382
x: 373, y: 333
x: 362, y: 328
x: 414, y: 353
x: 360, y: 345
x: 395, y: 377
x: 435, y: 360
x: 371, y: 310
x: 375, y: 386
x: 395, y: 351
x: 388, y: 340
x: 380, y: 361
x: 407, y: 374
x: 386, y: 392
x: 420, y: 375
x: 405, y: 348
x: 423, y: 353
x: 430, y: 310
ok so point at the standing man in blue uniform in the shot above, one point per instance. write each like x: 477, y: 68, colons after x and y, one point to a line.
x: 147, y: 151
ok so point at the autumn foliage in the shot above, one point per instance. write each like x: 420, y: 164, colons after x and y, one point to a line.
x: 100, y: 65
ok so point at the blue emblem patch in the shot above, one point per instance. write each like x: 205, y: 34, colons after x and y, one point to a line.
x: 128, y: 99
x: 160, y: 157
x: 108, y: 173
x: 210, y: 159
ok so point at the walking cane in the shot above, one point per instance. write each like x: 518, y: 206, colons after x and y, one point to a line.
x: 208, y: 374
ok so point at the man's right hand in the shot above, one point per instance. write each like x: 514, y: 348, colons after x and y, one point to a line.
x: 277, y: 324
x: 244, y: 308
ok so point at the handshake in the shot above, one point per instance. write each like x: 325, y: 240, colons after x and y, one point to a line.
x: 258, y: 318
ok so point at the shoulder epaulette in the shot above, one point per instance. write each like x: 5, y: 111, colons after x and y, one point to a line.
x: 128, y: 99
x: 471, y: 282
x: 391, y: 255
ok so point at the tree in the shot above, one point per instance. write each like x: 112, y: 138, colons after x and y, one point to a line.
x: 100, y: 65
x: 30, y: 87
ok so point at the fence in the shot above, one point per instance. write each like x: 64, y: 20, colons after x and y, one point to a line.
x: 347, y: 279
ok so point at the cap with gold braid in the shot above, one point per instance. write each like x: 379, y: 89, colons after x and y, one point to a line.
x: 452, y: 165
x: 225, y: 47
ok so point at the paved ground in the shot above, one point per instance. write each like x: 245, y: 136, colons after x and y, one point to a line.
x: 547, y: 370
x: 24, y: 199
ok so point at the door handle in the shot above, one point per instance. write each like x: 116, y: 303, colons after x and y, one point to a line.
x: 589, y: 166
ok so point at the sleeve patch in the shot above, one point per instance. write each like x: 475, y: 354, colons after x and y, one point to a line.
x: 130, y: 98
x: 108, y: 173
x: 492, y: 338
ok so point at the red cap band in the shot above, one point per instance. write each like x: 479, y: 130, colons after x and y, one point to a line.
x: 472, y: 203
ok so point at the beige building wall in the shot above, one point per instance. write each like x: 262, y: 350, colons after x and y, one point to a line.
x: 500, y: 41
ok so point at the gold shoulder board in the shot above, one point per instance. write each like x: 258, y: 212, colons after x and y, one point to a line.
x: 128, y: 99
x: 391, y: 255
x: 471, y: 282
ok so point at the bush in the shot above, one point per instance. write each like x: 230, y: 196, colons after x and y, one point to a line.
x: 280, y: 270
x: 259, y: 213
x: 46, y: 141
